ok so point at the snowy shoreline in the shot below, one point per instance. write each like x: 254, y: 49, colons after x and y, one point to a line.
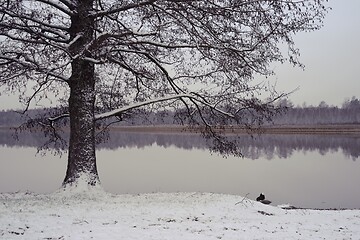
x: 101, y: 215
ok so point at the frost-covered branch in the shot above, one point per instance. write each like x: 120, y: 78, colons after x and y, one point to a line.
x: 121, y: 8
x: 54, y: 119
x: 140, y: 104
x: 157, y: 64
x: 57, y: 5
x: 30, y: 64
x: 192, y: 96
x: 29, y: 18
x: 77, y: 37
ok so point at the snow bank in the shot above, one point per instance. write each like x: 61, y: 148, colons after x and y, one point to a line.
x: 101, y: 215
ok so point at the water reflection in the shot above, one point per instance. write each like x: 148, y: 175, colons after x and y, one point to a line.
x: 306, y: 179
x: 253, y: 147
x: 306, y: 171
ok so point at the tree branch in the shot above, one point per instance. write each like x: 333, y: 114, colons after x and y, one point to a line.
x: 54, y: 119
x: 140, y: 104
x: 117, y: 9
x: 57, y: 5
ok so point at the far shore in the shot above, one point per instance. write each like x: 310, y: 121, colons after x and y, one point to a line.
x: 273, y: 129
x: 345, y: 129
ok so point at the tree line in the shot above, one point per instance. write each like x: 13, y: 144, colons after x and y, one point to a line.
x: 347, y: 113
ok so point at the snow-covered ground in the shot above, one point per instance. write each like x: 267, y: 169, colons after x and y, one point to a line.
x: 100, y: 215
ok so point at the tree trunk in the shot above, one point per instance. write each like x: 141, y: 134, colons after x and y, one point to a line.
x: 81, y: 156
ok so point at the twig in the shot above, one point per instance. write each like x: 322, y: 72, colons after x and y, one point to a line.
x: 242, y: 199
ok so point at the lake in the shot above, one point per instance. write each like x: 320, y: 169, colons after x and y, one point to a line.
x: 311, y: 171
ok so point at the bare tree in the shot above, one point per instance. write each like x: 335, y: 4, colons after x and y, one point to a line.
x: 102, y: 59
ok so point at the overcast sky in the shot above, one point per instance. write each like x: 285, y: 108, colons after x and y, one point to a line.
x: 331, y: 56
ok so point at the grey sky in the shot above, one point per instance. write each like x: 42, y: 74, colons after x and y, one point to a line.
x: 331, y: 56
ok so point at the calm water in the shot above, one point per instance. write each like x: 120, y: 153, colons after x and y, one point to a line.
x: 305, y: 171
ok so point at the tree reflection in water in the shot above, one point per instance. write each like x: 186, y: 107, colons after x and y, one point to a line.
x: 253, y: 147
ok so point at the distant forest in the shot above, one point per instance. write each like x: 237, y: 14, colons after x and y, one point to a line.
x: 252, y: 147
x: 348, y: 113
